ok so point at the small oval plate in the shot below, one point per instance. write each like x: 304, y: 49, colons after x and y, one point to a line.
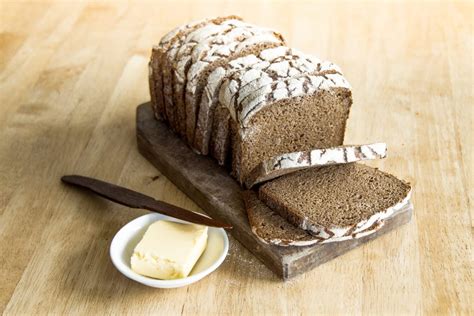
x: 124, y: 242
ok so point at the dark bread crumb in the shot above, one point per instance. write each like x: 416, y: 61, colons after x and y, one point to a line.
x: 333, y: 196
x: 220, y: 139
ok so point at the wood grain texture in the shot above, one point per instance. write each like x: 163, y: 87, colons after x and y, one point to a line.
x: 213, y: 189
x: 71, y: 75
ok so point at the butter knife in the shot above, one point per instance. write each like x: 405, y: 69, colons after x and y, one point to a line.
x: 135, y: 199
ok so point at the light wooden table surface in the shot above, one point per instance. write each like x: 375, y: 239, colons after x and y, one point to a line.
x: 71, y: 75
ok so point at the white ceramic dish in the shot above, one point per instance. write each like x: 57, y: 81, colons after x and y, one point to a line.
x: 124, y: 242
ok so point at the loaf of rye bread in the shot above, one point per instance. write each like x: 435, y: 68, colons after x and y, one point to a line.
x: 338, y: 202
x: 207, y: 78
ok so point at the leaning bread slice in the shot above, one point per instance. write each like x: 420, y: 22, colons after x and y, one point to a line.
x: 337, y: 202
x: 270, y: 227
x: 287, y: 163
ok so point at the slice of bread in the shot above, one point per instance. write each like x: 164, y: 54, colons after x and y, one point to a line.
x: 270, y: 227
x: 287, y: 163
x: 337, y: 202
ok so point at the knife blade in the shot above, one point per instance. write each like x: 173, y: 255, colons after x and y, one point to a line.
x: 139, y: 200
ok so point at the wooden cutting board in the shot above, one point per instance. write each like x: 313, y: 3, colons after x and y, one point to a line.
x: 211, y: 187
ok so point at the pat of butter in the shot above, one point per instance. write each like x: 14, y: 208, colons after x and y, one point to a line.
x: 169, y: 250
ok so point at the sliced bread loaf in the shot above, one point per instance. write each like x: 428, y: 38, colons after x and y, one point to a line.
x: 337, y: 202
x: 287, y: 163
x: 270, y: 227
x: 273, y: 110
